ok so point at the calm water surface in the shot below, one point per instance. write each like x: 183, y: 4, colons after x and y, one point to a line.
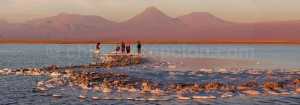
x: 13, y: 56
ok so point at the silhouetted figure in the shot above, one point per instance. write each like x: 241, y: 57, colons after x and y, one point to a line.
x: 123, y: 47
x: 139, y: 47
x: 118, y: 48
x: 96, y: 54
x: 128, y: 49
x: 98, y: 46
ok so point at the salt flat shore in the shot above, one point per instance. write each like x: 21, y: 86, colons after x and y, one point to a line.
x: 164, y: 79
x: 103, y: 84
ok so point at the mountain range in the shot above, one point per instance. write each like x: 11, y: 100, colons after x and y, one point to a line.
x: 150, y: 25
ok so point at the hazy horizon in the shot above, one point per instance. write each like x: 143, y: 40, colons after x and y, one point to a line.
x: 121, y: 10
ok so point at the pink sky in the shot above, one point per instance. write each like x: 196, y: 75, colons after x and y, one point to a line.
x: 120, y: 10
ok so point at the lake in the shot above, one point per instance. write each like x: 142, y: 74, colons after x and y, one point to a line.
x: 15, y: 55
x: 19, y: 89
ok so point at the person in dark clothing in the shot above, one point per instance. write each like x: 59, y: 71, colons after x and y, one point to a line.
x: 128, y: 49
x: 123, y: 47
x: 139, y: 47
x: 98, y: 46
x: 118, y: 49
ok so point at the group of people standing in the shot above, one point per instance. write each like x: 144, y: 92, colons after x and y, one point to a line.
x: 124, y: 48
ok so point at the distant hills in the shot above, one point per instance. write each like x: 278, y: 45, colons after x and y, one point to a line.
x: 150, y: 25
